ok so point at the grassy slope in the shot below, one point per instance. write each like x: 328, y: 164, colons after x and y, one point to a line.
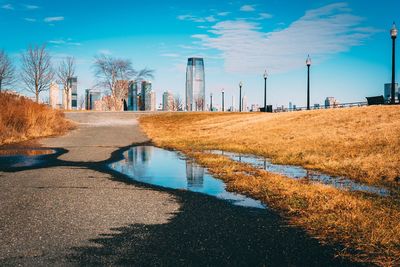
x: 361, y: 143
x: 22, y: 119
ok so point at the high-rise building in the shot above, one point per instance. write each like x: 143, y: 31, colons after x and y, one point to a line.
x: 73, y: 85
x: 133, y: 96
x: 145, y: 90
x: 195, y: 85
x: 54, y: 91
x: 168, y: 101
x: 91, y: 97
x: 388, y: 91
x: 150, y: 101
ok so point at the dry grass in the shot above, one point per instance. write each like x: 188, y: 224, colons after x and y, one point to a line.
x: 22, y: 119
x: 361, y: 143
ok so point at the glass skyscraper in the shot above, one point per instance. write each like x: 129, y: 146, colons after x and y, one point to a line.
x: 195, y: 85
x: 73, y: 85
x: 133, y: 96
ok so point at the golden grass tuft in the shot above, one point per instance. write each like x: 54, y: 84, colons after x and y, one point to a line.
x: 360, y: 143
x: 22, y: 119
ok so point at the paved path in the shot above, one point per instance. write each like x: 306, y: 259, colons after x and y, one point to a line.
x: 75, y: 211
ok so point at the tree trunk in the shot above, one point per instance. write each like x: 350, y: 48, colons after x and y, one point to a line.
x: 1, y: 81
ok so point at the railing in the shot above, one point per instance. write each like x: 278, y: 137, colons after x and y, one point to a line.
x: 341, y: 105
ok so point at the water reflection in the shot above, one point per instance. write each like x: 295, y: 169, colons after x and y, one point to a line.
x: 170, y: 169
x: 297, y: 172
x: 23, y: 157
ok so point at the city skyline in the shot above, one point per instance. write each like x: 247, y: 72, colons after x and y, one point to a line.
x: 349, y: 43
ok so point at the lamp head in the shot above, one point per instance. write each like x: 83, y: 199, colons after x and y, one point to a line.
x: 265, y: 74
x: 308, y: 61
x: 241, y: 84
x: 393, y: 31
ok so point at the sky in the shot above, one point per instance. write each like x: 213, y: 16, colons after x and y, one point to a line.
x: 348, y: 41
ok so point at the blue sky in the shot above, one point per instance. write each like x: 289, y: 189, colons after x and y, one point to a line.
x: 348, y: 41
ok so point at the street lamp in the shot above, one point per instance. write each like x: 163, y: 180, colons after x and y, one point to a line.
x: 308, y: 63
x: 223, y: 99
x: 240, y: 96
x: 211, y: 102
x: 393, y: 34
x: 265, y: 90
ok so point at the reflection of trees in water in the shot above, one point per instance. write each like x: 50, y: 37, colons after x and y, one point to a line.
x: 194, y: 175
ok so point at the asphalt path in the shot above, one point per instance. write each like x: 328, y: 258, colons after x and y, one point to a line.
x: 72, y: 210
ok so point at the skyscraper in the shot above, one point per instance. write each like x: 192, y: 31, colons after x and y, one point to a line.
x: 91, y: 97
x: 168, y: 101
x: 195, y: 85
x: 132, y: 96
x: 388, y: 91
x: 150, y: 101
x: 145, y: 90
x: 73, y: 85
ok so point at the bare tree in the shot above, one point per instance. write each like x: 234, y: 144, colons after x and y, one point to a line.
x: 65, y: 71
x: 7, y: 70
x: 37, y: 72
x: 81, y: 102
x: 199, y: 104
x: 113, y: 75
x: 177, y: 103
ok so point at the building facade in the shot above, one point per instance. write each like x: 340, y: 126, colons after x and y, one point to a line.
x: 133, y: 96
x: 91, y: 97
x: 388, y: 91
x: 150, y: 101
x: 331, y: 102
x: 53, y: 97
x: 73, y: 85
x: 195, y: 85
x: 168, y: 101
x: 144, y: 91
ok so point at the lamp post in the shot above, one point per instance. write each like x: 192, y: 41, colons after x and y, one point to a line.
x: 265, y: 90
x: 223, y: 100
x: 308, y: 63
x: 211, y: 108
x: 240, y: 96
x: 393, y: 34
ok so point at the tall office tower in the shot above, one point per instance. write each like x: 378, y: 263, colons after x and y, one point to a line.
x: 388, y: 91
x: 73, y: 85
x: 150, y: 101
x: 54, y: 91
x: 195, y: 85
x: 132, y: 96
x: 145, y: 90
x: 168, y: 101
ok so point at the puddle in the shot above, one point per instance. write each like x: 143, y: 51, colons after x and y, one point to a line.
x: 297, y: 172
x: 156, y: 166
x: 23, y: 157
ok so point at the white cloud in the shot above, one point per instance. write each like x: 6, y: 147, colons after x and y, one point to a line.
x: 7, y: 6
x: 197, y: 19
x: 170, y: 55
x: 223, y: 14
x: 320, y: 32
x: 105, y: 52
x: 52, y: 19
x: 64, y: 42
x: 30, y: 19
x: 57, y: 42
x: 31, y: 7
x: 264, y: 16
x: 247, y: 8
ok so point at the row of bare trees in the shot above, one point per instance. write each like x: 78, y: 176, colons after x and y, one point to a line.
x: 113, y: 75
x: 37, y: 73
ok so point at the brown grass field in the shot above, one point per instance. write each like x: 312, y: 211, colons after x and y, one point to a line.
x: 22, y: 119
x: 360, y: 143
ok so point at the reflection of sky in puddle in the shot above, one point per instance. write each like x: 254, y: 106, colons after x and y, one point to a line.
x: 170, y: 169
x: 297, y: 172
x: 17, y: 158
